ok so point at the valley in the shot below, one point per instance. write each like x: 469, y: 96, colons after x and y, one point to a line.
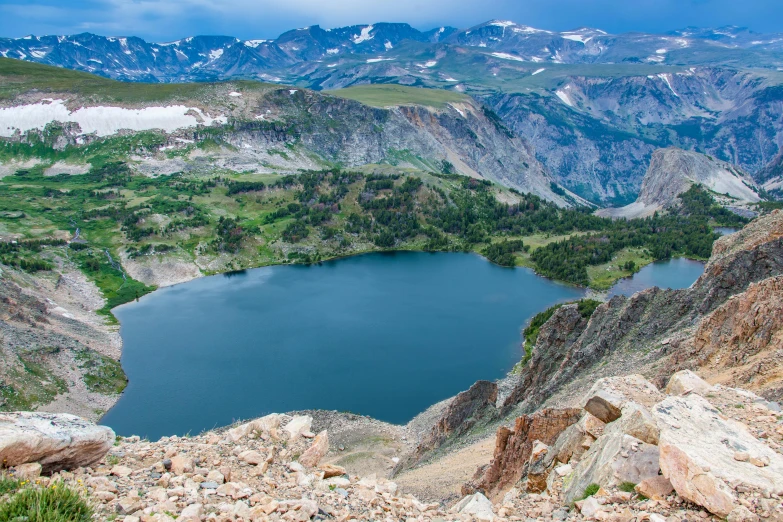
x: 498, y: 273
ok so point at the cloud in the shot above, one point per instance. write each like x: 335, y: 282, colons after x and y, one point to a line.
x: 171, y: 19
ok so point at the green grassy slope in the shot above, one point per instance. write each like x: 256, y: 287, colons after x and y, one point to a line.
x: 389, y: 95
x: 18, y: 77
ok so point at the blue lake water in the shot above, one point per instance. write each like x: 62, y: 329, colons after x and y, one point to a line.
x: 673, y: 273
x: 385, y: 335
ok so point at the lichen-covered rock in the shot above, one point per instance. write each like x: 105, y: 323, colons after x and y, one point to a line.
x: 56, y: 441
x: 613, y: 458
x: 698, y: 447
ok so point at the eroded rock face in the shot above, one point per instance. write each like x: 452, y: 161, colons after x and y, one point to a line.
x: 464, y: 411
x: 55, y: 441
x: 739, y: 343
x: 698, y: 449
x: 513, y: 449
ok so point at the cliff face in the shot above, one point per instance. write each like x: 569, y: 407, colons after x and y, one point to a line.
x: 657, y: 332
x: 672, y: 171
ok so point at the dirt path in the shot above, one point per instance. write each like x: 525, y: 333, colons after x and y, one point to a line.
x: 443, y: 479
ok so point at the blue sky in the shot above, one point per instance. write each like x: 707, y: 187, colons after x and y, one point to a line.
x: 161, y: 20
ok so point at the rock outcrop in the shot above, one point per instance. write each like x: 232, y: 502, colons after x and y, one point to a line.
x: 514, y: 448
x: 672, y: 171
x: 463, y: 412
x: 706, y: 456
x: 55, y: 441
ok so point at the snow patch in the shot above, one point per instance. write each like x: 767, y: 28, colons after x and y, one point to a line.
x: 576, y: 37
x: 102, y: 121
x: 665, y: 78
x: 332, y: 65
x: 292, y: 91
x: 214, y: 55
x: 525, y: 29
x: 506, y: 56
x: 564, y: 98
x: 364, y: 36
x: 457, y: 109
x: 502, y: 23
x: 333, y: 51
x: 376, y: 60
x: 254, y: 43
x: 388, y: 45
x: 450, y: 79
x: 427, y: 65
x: 235, y: 94
x: 38, y: 54
x: 538, y: 71
x: 661, y: 51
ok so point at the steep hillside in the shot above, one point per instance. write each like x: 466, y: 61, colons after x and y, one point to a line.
x: 673, y: 171
x: 256, y: 128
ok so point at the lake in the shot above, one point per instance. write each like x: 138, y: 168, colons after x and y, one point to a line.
x: 385, y: 334
x: 672, y: 273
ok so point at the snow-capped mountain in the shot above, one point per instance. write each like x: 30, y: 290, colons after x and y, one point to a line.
x: 210, y: 57
x: 220, y: 57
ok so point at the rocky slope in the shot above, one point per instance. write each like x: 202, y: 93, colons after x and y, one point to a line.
x: 651, y: 456
x: 673, y: 171
x: 56, y: 353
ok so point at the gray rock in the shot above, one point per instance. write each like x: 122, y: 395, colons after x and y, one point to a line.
x: 209, y: 485
x: 613, y: 459
x: 56, y: 441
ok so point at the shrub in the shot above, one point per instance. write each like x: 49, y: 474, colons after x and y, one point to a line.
x: 53, y: 504
x: 628, y: 487
x: 589, y: 491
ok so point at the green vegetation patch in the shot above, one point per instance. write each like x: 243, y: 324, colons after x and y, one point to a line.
x: 390, y: 95
x: 101, y: 374
x: 55, y: 503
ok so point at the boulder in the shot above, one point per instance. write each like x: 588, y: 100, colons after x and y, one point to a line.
x: 267, y: 424
x: 181, y: 464
x: 330, y: 470
x: 298, y: 425
x: 698, y: 446
x: 191, y: 513
x: 538, y: 468
x: 685, y: 382
x: 56, y: 441
x: 29, y: 471
x: 604, y: 405
x: 572, y: 443
x: 637, y: 421
x: 656, y: 488
x: 613, y: 458
x: 476, y: 505
x: 252, y: 457
x: 313, y: 455
x: 609, y: 395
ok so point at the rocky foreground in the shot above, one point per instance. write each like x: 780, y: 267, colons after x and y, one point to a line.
x: 692, y: 452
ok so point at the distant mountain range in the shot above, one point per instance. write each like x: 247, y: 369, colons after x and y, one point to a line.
x: 199, y: 58
x: 594, y: 106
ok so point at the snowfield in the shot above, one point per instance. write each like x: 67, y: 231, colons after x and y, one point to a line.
x: 102, y: 121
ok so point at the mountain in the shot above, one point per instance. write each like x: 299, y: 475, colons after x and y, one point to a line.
x: 673, y: 171
x: 198, y: 58
x: 593, y: 106
x: 263, y: 128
